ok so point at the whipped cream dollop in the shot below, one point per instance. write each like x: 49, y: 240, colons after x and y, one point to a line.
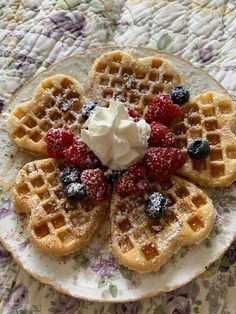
x: 114, y: 137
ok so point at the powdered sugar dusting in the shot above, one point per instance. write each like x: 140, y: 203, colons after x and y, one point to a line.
x: 95, y: 183
x: 131, y: 181
x: 163, y: 162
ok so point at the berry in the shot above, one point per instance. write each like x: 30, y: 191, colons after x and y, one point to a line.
x: 70, y: 174
x: 95, y: 184
x: 57, y: 141
x: 134, y: 114
x: 112, y: 175
x: 198, y: 149
x: 155, y: 205
x: 179, y: 95
x: 80, y: 155
x: 161, y: 109
x: 88, y: 107
x: 75, y: 191
x: 131, y: 181
x: 169, y: 140
x: 163, y: 162
x: 161, y: 136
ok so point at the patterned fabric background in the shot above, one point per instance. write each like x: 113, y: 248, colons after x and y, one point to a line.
x: 36, y: 33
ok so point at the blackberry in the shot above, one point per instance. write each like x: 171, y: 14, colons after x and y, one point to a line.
x: 156, y: 205
x: 75, y: 191
x: 88, y: 107
x: 179, y: 95
x: 112, y: 175
x: 198, y: 149
x: 70, y: 174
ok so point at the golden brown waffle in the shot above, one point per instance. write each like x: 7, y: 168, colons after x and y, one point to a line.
x: 119, y: 76
x: 57, y: 101
x: 208, y: 116
x: 56, y: 226
x: 144, y: 244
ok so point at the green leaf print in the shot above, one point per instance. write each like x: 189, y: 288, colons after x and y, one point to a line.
x: 113, y: 290
x: 102, y: 283
x: 207, y: 243
x: 114, y: 277
x: 126, y: 273
x: 218, y: 229
x: 82, y: 260
x: 184, y: 251
x: 100, y: 4
x: 196, y: 309
x: 230, y: 198
x: 159, y: 310
x: 225, y: 262
x: 228, y: 203
x: 206, y: 284
x: 23, y: 312
x: 164, y: 42
x: 199, y: 302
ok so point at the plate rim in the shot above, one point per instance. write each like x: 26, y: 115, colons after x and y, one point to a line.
x: 60, y: 289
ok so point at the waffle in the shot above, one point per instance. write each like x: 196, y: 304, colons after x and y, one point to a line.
x: 208, y: 116
x: 144, y: 244
x: 56, y: 226
x: 119, y: 76
x: 57, y: 101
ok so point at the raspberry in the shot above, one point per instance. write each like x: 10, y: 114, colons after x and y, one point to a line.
x: 95, y: 184
x: 57, y: 141
x: 161, y: 136
x: 163, y: 162
x: 169, y: 140
x: 131, y: 181
x: 162, y: 109
x: 80, y: 155
x: 134, y: 114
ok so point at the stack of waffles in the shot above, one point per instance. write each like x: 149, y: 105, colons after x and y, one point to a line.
x: 59, y: 226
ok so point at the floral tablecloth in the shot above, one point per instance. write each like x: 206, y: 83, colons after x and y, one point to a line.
x: 36, y: 33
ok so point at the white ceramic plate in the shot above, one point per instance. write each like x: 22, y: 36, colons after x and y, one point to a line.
x: 93, y: 273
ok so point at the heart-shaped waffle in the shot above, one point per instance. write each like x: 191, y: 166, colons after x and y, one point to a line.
x: 145, y: 244
x: 56, y: 225
x: 119, y: 76
x: 208, y: 116
x: 56, y: 101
